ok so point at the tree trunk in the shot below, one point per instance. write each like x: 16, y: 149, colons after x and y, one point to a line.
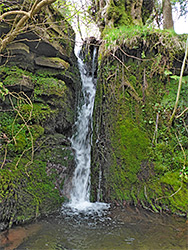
x: 136, y: 11
x: 167, y: 15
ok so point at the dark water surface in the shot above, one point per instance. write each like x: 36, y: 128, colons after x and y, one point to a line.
x: 119, y: 229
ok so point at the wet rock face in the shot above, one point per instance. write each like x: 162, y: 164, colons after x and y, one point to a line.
x: 32, y: 53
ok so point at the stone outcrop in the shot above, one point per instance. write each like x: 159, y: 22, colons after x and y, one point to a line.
x: 39, y: 69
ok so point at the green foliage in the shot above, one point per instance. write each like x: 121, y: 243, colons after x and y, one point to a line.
x: 15, y: 130
x: 170, y: 94
x: 3, y: 8
x: 30, y: 104
x: 65, y: 11
x: 23, y: 178
x: 169, y: 192
x: 167, y: 156
x: 37, y: 131
x: 168, y: 153
x: 19, y: 137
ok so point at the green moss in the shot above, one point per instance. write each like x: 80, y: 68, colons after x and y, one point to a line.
x: 169, y: 191
x: 16, y: 133
x: 33, y: 154
x: 133, y: 36
x: 139, y: 164
x: 49, y: 86
x: 13, y: 75
x: 37, y: 131
x: 130, y: 146
x: 20, y: 142
x: 18, y: 188
x: 129, y: 141
x: 37, y: 113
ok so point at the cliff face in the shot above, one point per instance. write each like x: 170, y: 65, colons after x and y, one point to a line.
x: 37, y: 110
x: 137, y: 158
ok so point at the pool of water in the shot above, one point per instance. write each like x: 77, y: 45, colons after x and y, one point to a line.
x: 117, y: 229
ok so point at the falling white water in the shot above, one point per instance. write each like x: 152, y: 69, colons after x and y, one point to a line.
x: 81, y: 144
x: 81, y: 141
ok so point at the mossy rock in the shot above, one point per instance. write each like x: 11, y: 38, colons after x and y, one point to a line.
x: 23, y: 185
x: 52, y: 62
x: 140, y: 158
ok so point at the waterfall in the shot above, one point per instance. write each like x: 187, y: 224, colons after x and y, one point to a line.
x: 83, y: 26
x: 81, y: 140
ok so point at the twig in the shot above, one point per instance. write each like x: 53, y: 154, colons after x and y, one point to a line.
x: 137, y: 58
x: 23, y: 21
x: 5, y: 156
x: 25, y: 150
x: 27, y: 100
x: 13, y: 12
x: 178, y: 116
x: 127, y: 68
x: 182, y: 149
x: 180, y: 84
x: 185, y: 126
x: 171, y: 194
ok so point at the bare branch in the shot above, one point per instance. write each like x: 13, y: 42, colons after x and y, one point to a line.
x: 34, y: 10
x: 178, y: 116
x: 13, y: 12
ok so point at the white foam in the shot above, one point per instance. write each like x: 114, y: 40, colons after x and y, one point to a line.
x: 86, y: 209
x: 88, y: 206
